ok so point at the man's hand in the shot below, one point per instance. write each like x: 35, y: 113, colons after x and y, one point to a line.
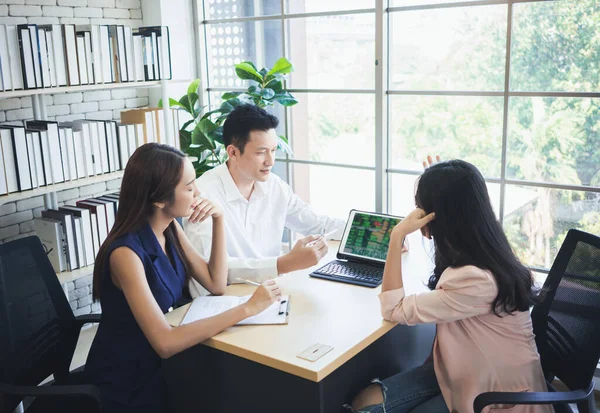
x: 307, y: 252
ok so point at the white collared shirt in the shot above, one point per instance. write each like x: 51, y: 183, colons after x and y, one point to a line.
x: 254, y: 227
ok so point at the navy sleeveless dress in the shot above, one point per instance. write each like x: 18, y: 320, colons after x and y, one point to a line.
x: 121, y: 360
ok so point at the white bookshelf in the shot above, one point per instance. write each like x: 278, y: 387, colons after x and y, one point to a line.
x: 70, y: 276
x: 44, y: 190
x: 83, y: 88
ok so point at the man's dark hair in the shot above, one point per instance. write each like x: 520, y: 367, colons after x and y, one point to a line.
x: 243, y: 120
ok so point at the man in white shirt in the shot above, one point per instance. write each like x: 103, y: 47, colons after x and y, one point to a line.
x: 257, y: 206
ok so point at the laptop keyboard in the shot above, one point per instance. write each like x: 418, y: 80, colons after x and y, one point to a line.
x: 350, y: 273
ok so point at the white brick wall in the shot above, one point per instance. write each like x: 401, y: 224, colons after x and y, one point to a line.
x: 16, y: 218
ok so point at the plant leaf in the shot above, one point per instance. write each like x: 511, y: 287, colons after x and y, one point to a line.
x: 200, y: 139
x: 185, y: 125
x: 172, y: 102
x: 217, y: 135
x: 262, y: 72
x: 207, y: 126
x: 246, y: 70
x: 283, y: 144
x: 286, y: 99
x: 267, y: 93
x: 193, y: 87
x: 230, y: 95
x: 188, y: 102
x: 281, y: 66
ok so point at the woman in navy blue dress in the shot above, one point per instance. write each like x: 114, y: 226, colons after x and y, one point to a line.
x: 140, y: 273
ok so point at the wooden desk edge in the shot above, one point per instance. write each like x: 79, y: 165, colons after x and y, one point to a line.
x: 177, y: 315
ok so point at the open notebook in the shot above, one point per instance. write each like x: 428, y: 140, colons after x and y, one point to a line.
x: 208, y: 306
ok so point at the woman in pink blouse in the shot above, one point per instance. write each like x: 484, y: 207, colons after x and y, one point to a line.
x: 480, y: 298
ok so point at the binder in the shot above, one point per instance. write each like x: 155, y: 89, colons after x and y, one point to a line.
x: 60, y: 61
x: 81, y: 60
x: 51, y: 58
x: 26, y: 53
x: 50, y: 149
x: 161, y: 39
x: 94, y: 47
x: 138, y: 57
x: 50, y: 233
x: 9, y: 164
x: 97, y: 157
x: 106, y: 57
x: 128, y: 51
x: 86, y: 228
x: 3, y: 181
x: 43, y: 52
x: 39, y: 157
x: 35, y: 46
x: 68, y: 227
x: 123, y: 142
x: 16, y: 68
x: 148, y: 58
x: 131, y: 142
x: 20, y: 156
x: 104, y: 148
x: 100, y: 211
x: 31, y: 159
x: 70, y: 150
x: 70, y: 41
x: 5, y: 74
x: 64, y: 158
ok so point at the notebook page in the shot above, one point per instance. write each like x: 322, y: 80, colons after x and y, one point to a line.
x: 208, y: 306
x: 271, y: 314
x: 205, y: 307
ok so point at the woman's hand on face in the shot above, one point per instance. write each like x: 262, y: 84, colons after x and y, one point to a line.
x: 417, y: 219
x: 429, y: 161
x: 204, y: 208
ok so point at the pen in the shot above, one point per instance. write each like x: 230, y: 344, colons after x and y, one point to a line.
x: 248, y: 281
x: 325, y: 236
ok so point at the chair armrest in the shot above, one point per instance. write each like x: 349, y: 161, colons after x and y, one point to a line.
x: 85, y: 390
x: 87, y: 318
x: 486, y: 399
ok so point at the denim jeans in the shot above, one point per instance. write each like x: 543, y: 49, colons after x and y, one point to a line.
x: 414, y: 391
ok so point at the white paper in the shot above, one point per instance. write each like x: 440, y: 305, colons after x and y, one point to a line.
x: 208, y: 306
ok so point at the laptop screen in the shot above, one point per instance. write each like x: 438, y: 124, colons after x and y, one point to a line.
x: 367, y: 235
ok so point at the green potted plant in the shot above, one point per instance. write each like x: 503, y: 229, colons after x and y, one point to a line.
x: 202, y: 136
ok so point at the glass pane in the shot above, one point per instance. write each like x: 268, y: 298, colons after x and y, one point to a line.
x: 402, y: 190
x: 340, y: 128
x: 402, y: 194
x: 448, y: 49
x: 536, y: 220
x: 335, y: 52
x: 554, y: 140
x: 312, y: 6
x: 464, y: 127
x: 555, y: 46
x: 232, y: 43
x: 231, y: 9
x: 335, y: 191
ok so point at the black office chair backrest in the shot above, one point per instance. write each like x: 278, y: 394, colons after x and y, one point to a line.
x: 35, y: 316
x: 567, y: 322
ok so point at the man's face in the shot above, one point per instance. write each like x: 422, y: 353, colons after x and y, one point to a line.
x: 259, y: 155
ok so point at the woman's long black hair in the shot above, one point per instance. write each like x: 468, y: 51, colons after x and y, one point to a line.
x: 466, y: 232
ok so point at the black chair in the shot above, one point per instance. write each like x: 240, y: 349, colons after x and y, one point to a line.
x: 38, y: 335
x: 567, y: 329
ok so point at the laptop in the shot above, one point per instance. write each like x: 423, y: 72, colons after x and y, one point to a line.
x: 363, y: 250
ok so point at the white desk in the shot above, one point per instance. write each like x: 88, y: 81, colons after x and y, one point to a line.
x: 344, y: 316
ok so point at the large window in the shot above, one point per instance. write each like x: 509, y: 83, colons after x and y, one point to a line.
x: 511, y: 86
